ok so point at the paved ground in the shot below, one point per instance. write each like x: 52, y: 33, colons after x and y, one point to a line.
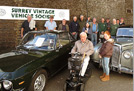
x: 118, y: 82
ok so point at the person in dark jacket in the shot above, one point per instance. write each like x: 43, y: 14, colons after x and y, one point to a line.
x: 108, y: 24
x: 74, y: 27
x: 105, y: 53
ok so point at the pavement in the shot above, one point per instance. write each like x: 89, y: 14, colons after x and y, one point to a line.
x: 118, y: 82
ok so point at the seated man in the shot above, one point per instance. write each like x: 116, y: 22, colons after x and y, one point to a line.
x: 83, y: 46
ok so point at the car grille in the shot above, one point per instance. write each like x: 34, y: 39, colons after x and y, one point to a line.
x: 115, y: 56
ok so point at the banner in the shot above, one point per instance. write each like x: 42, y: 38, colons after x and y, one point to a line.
x: 20, y: 13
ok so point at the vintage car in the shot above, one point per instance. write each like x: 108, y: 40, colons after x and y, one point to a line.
x: 39, y: 56
x: 122, y: 58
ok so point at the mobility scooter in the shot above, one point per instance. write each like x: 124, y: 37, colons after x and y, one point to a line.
x: 75, y: 82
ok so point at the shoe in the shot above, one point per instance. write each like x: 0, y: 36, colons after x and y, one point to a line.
x: 104, y: 74
x: 106, y: 78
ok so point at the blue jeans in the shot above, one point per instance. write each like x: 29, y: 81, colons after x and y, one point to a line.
x: 94, y: 38
x: 105, y: 65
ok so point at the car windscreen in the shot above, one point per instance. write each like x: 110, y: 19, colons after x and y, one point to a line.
x: 42, y: 42
x: 125, y: 32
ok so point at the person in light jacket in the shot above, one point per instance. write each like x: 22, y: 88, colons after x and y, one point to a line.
x: 83, y: 46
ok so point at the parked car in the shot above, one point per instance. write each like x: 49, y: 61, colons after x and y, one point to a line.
x: 122, y: 58
x: 39, y: 56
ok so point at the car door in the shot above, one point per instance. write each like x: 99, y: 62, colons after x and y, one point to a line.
x: 61, y: 54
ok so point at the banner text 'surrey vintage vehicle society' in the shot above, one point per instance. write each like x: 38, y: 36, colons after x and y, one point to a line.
x: 122, y: 58
x: 34, y: 61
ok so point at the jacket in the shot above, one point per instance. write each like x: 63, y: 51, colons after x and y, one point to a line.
x: 107, y: 48
x: 74, y: 27
x: 102, y: 27
x: 91, y: 26
x: 82, y: 48
x: 60, y: 27
x: 82, y: 24
x: 114, y: 29
x: 89, y: 30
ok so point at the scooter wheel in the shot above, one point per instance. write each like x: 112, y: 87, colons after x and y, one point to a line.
x: 82, y: 87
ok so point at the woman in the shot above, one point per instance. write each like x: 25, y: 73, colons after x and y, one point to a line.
x: 87, y: 30
x: 105, y: 53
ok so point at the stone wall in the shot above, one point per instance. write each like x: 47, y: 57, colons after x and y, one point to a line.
x: 9, y: 29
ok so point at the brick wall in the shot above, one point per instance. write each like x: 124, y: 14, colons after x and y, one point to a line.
x: 9, y: 29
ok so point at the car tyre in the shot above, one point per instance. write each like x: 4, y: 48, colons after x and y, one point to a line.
x: 39, y: 81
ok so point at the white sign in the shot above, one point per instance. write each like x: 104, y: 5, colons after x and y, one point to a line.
x: 20, y: 13
x: 39, y: 42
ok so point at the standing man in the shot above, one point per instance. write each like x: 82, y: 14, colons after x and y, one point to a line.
x: 63, y: 26
x: 74, y: 27
x: 114, y: 28
x: 28, y: 25
x: 94, y: 29
x: 50, y: 24
x: 83, y: 46
x: 82, y: 23
x: 108, y: 24
x: 102, y: 28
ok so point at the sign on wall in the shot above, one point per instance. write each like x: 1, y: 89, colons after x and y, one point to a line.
x: 20, y: 13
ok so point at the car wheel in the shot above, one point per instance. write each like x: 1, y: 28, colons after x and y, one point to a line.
x: 39, y: 81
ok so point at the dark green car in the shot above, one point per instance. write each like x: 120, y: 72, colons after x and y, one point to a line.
x: 40, y: 55
x: 122, y: 58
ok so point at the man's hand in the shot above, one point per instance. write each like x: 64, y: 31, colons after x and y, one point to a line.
x: 73, y: 33
x: 100, y: 56
x: 96, y: 32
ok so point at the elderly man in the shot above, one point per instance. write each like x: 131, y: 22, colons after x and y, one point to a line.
x: 74, y: 27
x: 83, y: 46
x: 114, y: 27
x: 28, y: 25
x: 50, y: 24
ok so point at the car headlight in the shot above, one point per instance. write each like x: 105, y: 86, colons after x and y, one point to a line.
x: 127, y: 54
x: 7, y: 84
